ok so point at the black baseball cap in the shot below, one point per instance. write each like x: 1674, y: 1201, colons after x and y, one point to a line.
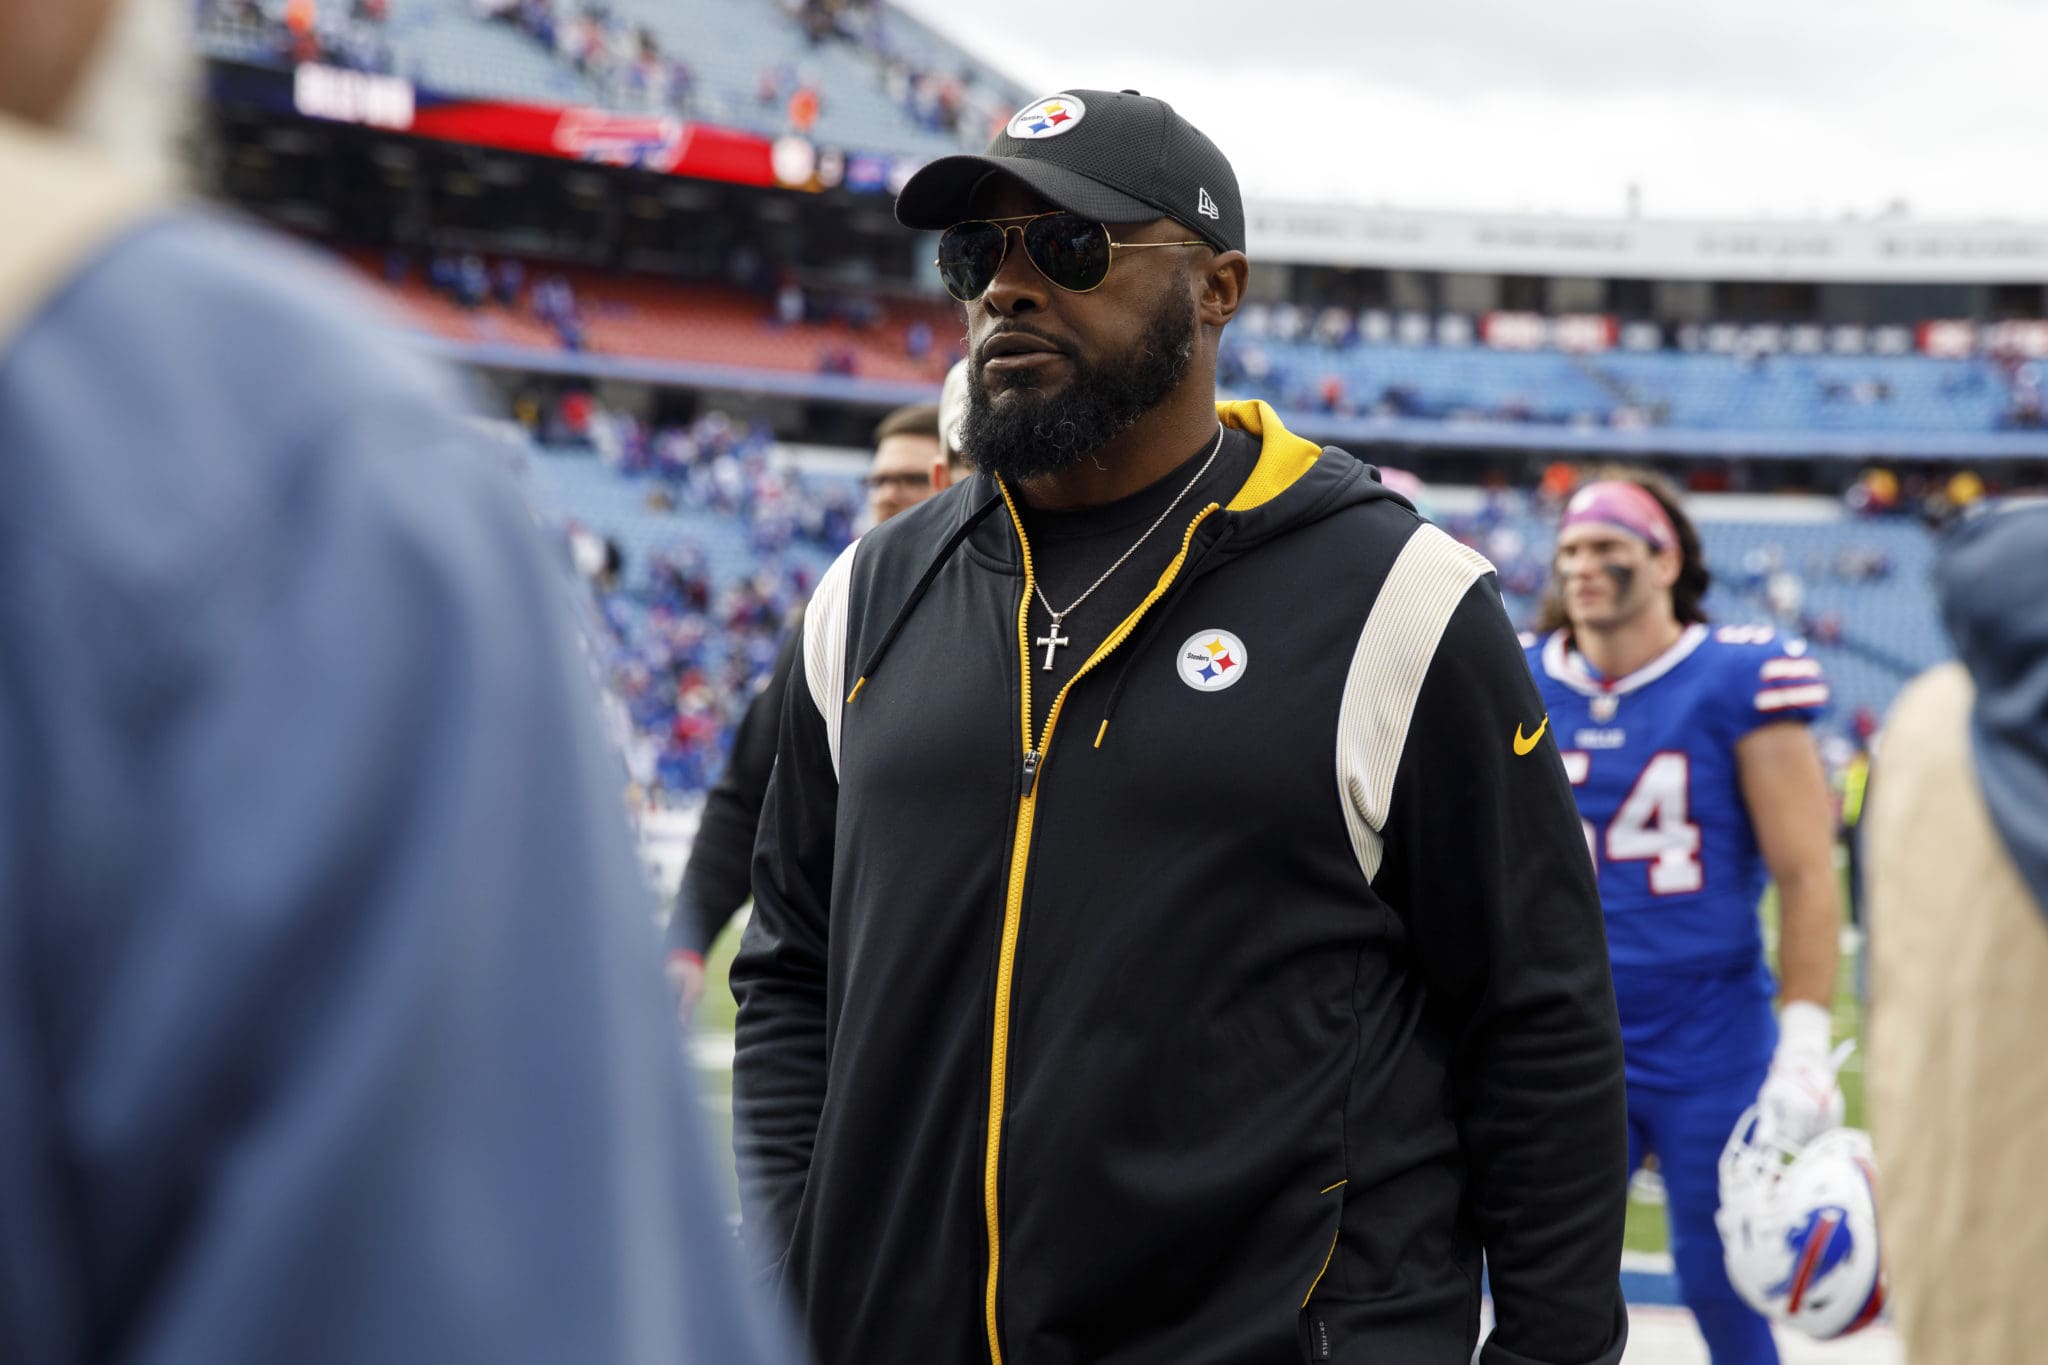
x: 1114, y: 156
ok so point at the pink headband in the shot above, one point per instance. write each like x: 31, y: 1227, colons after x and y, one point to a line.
x: 1625, y: 506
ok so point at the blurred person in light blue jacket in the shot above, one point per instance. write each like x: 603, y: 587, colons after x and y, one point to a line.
x: 328, y: 1026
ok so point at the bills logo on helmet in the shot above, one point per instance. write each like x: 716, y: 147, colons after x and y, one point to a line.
x: 1819, y: 1245
x: 1048, y: 118
x: 1212, y: 660
x: 1798, y: 1224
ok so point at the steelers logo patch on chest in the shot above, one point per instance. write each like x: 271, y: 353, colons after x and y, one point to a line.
x: 1212, y: 660
x: 1048, y: 118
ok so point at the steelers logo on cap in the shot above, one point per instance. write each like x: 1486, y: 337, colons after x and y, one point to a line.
x: 1212, y: 660
x: 1047, y: 118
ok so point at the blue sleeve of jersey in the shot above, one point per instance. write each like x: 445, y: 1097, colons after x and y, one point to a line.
x: 1769, y: 678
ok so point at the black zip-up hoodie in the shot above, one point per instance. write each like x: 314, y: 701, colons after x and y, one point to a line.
x: 1202, y: 1026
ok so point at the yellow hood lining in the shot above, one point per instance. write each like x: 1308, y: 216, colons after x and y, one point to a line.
x: 1283, y: 457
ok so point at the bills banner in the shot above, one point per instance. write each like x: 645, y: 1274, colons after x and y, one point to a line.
x: 662, y: 143
x: 649, y: 142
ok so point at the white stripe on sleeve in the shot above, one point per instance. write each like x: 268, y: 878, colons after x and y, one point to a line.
x: 1429, y: 579
x: 1777, y: 669
x: 825, y: 646
x: 1785, y: 698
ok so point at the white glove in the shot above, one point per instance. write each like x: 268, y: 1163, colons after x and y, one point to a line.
x: 1800, y: 1100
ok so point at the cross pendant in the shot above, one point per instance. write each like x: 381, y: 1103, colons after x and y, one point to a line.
x: 1052, y: 640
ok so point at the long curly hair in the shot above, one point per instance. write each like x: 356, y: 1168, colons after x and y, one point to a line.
x: 1688, y: 594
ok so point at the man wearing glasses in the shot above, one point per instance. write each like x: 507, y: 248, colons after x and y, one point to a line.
x: 1174, y: 941
x: 909, y: 464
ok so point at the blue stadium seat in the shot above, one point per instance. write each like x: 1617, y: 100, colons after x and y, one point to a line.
x: 1697, y: 392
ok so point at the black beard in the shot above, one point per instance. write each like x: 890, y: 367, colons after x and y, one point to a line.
x: 1034, y: 434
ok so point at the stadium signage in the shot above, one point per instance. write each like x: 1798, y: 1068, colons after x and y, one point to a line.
x: 660, y: 143
x: 1594, y: 333
x: 1580, y: 332
x: 1873, y: 251
x: 1954, y: 339
x: 650, y: 143
x: 329, y: 92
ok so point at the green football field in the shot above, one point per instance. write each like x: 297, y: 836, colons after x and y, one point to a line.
x: 1646, y: 1231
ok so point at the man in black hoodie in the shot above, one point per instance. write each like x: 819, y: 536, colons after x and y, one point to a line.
x: 1957, y: 850
x: 1173, y: 937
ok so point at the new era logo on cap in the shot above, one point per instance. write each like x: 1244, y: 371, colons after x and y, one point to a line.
x: 1207, y: 206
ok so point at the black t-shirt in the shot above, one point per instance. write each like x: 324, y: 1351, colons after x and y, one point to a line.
x: 1070, y: 549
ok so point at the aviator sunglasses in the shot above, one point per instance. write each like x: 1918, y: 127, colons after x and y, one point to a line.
x: 1072, y: 252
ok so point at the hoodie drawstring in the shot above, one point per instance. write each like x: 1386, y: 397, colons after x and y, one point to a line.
x: 924, y: 583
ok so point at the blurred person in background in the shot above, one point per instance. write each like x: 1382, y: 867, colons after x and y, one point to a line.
x: 327, y: 1032
x: 1956, y: 867
x: 1698, y: 778
x: 952, y: 423
x: 1855, y: 788
x: 909, y: 464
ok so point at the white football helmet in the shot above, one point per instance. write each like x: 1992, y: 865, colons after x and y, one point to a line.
x: 1799, y: 1228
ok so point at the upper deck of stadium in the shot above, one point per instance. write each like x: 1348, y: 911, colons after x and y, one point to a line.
x: 744, y: 243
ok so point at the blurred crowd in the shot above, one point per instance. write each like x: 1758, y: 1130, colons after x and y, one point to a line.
x: 1935, y: 495
x: 623, y: 57
x: 626, y: 59
x: 685, y: 642
x: 953, y: 100
x: 856, y: 323
x: 346, y: 33
x: 474, y: 282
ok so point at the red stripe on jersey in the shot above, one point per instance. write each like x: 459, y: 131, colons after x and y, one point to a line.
x: 1782, y: 698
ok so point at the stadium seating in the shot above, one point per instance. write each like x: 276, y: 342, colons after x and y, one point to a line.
x: 657, y: 320
x: 439, y: 45
x: 1699, y: 392
x: 868, y: 80
x: 685, y: 323
x: 730, y: 43
x: 573, y: 484
x: 1910, y: 393
x: 689, y: 630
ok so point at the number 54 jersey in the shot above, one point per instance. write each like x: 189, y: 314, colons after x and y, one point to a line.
x: 1651, y: 758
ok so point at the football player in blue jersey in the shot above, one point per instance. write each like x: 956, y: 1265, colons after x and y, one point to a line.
x: 1697, y: 778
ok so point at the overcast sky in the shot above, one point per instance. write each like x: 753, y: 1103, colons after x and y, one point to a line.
x: 1735, y: 108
